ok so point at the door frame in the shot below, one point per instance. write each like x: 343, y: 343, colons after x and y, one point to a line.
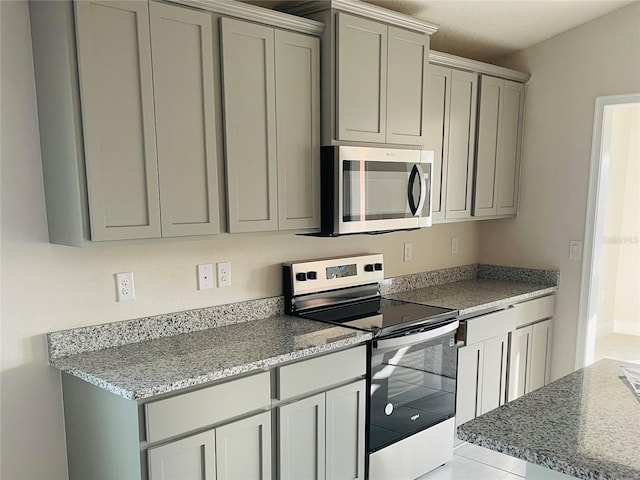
x: 594, y: 224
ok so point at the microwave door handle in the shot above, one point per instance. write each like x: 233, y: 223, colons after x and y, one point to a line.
x: 417, y: 171
x: 423, y: 190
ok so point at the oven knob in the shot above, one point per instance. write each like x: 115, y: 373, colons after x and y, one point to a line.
x: 301, y: 277
x: 378, y: 266
x: 388, y: 409
x: 368, y: 267
x: 312, y: 275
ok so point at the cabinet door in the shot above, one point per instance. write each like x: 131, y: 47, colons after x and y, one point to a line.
x: 460, y: 159
x: 191, y: 458
x: 361, y: 79
x: 407, y: 63
x: 250, y: 125
x: 243, y: 449
x: 114, y: 62
x: 302, y: 439
x: 488, y: 141
x: 494, y: 377
x: 297, y: 70
x: 519, y: 370
x: 508, y: 174
x: 438, y: 97
x: 540, y: 354
x: 469, y: 382
x: 182, y: 43
x: 345, y: 431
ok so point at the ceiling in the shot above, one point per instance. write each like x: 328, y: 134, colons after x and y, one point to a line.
x: 486, y: 30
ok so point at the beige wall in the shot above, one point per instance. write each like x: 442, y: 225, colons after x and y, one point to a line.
x: 568, y: 72
x: 49, y: 287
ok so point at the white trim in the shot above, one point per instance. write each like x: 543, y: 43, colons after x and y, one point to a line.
x: 372, y: 12
x: 260, y: 15
x: 585, y: 338
x: 448, y: 60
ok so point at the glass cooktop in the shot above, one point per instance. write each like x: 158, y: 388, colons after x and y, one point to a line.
x: 383, y: 315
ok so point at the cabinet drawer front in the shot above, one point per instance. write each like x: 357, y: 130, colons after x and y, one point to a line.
x: 535, y: 310
x: 200, y: 408
x: 316, y: 373
x: 487, y: 326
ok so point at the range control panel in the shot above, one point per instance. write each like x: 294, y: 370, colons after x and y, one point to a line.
x: 330, y: 273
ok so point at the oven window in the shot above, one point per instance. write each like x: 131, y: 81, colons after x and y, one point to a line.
x: 412, y: 388
x: 376, y: 190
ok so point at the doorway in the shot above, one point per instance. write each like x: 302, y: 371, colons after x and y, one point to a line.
x: 609, y: 321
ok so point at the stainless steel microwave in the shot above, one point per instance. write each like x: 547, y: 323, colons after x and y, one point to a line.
x: 367, y: 189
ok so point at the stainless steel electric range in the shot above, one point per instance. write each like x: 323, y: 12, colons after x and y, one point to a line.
x: 412, y: 360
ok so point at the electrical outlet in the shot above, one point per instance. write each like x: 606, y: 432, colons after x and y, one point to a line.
x: 205, y: 276
x: 408, y: 251
x: 454, y: 245
x: 224, y: 274
x: 125, y: 287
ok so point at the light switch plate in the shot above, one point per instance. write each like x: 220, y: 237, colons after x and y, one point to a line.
x: 408, y: 252
x: 454, y: 245
x: 575, y: 250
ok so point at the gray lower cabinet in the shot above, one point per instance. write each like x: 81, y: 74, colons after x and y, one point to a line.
x: 133, y: 152
x: 500, y: 126
x: 481, y: 378
x: 191, y: 458
x: 380, y: 82
x: 239, y: 450
x: 450, y: 133
x: 530, y: 347
x: 482, y: 364
x: 271, y: 116
x: 304, y: 419
x: 322, y: 436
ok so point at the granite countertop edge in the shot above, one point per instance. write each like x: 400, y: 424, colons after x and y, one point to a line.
x: 201, y: 379
x: 544, y: 290
x: 530, y: 456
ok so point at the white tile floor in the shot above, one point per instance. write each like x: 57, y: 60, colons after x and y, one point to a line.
x: 471, y: 462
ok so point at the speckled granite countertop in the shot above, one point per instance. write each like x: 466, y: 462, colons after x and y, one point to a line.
x: 471, y: 296
x: 586, y: 425
x: 151, y: 367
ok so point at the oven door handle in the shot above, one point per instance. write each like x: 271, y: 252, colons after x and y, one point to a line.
x: 411, y: 339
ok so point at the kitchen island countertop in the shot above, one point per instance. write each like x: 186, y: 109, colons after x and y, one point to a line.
x: 475, y: 296
x: 585, y: 425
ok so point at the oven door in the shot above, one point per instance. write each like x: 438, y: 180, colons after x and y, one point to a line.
x: 383, y: 189
x: 413, y: 384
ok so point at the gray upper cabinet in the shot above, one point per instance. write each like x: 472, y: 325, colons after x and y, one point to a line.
x: 185, y: 102
x: 298, y: 130
x: 134, y: 151
x: 407, y: 60
x: 114, y: 63
x: 381, y: 82
x: 362, y: 79
x: 500, y: 125
x: 250, y: 125
x: 451, y: 120
x: 271, y: 112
